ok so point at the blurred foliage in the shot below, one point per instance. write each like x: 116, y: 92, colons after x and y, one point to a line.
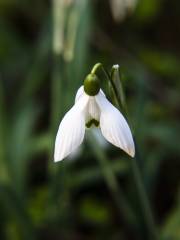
x: 92, y: 194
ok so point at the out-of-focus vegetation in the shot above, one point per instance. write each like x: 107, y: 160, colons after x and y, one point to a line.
x: 46, y: 50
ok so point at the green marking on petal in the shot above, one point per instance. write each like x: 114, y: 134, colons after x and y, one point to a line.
x: 92, y: 122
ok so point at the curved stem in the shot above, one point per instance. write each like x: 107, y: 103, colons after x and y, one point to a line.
x: 95, y: 68
x: 148, y: 215
x: 100, y: 66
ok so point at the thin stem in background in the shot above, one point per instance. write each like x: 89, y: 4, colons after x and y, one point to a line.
x: 125, y: 211
x: 110, y: 178
x: 58, y: 174
x: 58, y: 16
x: 147, y: 211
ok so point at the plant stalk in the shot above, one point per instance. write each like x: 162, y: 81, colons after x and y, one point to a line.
x: 147, y: 212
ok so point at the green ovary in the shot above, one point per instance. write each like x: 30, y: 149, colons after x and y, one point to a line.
x: 91, y: 84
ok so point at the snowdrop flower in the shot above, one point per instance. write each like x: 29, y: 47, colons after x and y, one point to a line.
x: 92, y: 107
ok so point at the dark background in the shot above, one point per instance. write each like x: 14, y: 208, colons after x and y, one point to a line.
x: 43, y: 61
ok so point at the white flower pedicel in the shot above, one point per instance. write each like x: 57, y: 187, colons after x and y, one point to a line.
x: 92, y: 107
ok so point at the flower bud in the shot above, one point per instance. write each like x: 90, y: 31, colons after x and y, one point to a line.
x: 91, y: 84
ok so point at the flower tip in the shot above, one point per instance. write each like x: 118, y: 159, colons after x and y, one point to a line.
x: 131, y: 152
x: 58, y: 158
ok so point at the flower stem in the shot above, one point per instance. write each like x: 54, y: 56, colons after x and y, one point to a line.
x: 100, y: 66
x: 147, y: 212
x: 148, y: 216
x: 56, y: 80
x: 96, y: 67
x: 117, y: 193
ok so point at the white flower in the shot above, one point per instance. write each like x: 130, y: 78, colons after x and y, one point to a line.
x: 88, y: 109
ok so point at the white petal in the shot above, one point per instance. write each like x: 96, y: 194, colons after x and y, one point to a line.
x: 93, y: 110
x: 102, y: 93
x: 71, y: 130
x: 114, y: 126
x: 79, y: 93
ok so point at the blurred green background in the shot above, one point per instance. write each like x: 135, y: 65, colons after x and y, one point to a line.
x: 46, y: 50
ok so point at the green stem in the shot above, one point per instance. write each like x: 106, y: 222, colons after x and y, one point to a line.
x: 100, y: 66
x: 148, y: 216
x: 56, y: 87
x: 117, y: 193
x: 116, y: 79
x: 58, y: 185
x: 149, y: 219
x: 96, y: 67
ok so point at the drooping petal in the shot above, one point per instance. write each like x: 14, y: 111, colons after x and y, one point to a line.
x: 92, y: 110
x: 102, y: 93
x: 114, y: 126
x: 71, y: 130
x: 80, y: 93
